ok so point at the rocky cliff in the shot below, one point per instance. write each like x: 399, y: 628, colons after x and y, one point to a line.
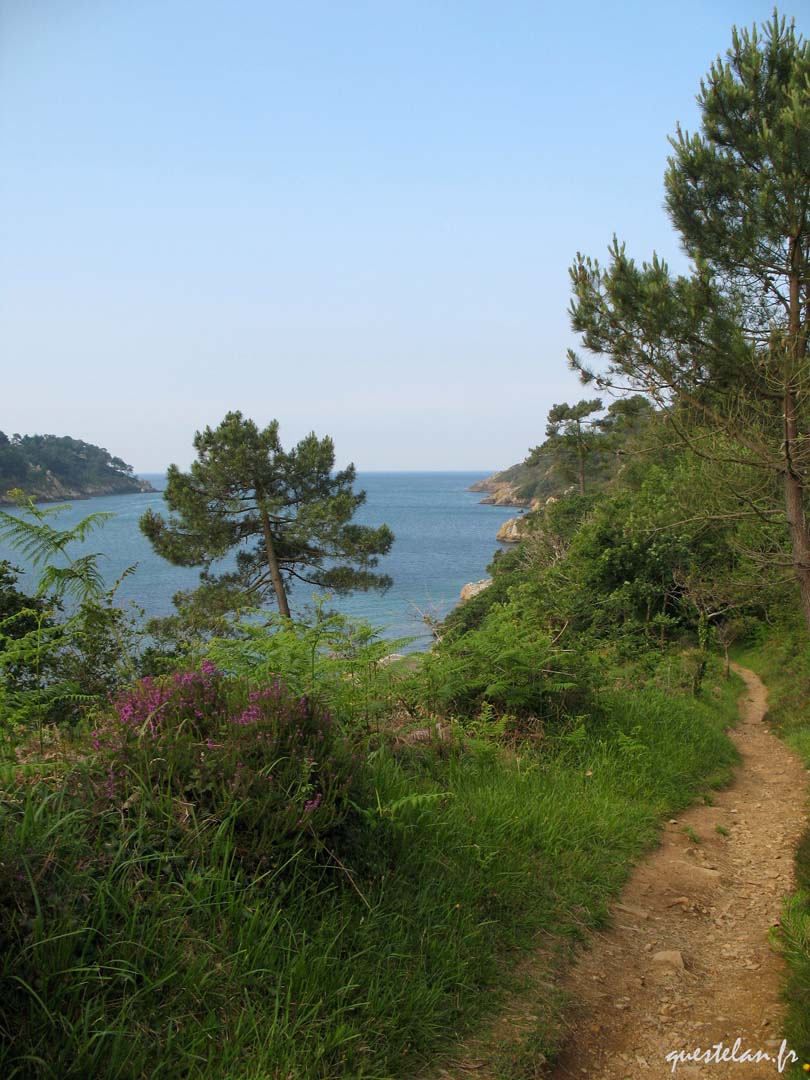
x: 519, y: 485
x: 500, y: 492
x: 474, y: 588
x: 511, y: 531
x: 50, y: 489
x: 57, y: 468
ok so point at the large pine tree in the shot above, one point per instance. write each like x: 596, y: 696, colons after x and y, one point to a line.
x: 729, y: 342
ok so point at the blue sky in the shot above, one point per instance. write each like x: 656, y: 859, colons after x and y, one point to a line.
x: 354, y: 217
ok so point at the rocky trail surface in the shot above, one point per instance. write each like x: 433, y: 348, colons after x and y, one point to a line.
x: 687, y: 963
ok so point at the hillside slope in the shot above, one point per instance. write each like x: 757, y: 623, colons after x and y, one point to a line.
x: 51, y: 468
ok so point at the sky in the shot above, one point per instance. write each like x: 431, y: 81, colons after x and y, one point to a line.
x: 354, y: 217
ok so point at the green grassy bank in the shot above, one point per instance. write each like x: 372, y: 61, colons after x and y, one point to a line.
x: 137, y: 943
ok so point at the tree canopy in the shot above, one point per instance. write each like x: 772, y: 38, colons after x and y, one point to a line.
x: 581, y: 448
x: 286, y: 513
x: 40, y: 464
x: 566, y: 428
x: 727, y: 344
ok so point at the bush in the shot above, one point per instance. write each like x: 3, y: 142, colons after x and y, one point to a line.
x: 209, y: 746
x: 512, y: 663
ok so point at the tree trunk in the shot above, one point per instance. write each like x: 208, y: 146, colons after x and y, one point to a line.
x: 794, y: 483
x: 799, y: 539
x: 581, y: 456
x: 272, y: 562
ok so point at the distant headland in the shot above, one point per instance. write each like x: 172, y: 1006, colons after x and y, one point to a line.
x: 52, y: 468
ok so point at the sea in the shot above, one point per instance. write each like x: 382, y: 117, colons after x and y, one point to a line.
x: 445, y: 537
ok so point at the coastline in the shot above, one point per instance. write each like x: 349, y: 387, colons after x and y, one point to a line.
x: 444, y: 539
x: 139, y: 487
x: 499, y: 492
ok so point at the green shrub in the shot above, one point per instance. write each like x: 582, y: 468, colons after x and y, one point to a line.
x: 511, y: 662
x: 220, y: 747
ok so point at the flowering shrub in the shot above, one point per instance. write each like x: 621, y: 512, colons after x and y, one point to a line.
x: 219, y: 746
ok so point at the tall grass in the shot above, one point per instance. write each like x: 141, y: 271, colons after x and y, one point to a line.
x: 130, y: 951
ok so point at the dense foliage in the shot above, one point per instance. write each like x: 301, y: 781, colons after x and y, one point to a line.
x: 138, y: 940
x: 48, y: 466
x: 223, y: 747
x: 66, y: 647
x: 580, y: 450
x: 727, y: 344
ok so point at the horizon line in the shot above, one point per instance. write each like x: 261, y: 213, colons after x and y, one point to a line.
x: 160, y: 472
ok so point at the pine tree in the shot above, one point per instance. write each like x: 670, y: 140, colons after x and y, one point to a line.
x: 565, y: 429
x: 727, y: 343
x: 287, y: 514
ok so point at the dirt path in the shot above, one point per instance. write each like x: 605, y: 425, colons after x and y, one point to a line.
x: 687, y: 963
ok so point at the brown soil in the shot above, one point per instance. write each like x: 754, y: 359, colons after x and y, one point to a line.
x: 687, y: 962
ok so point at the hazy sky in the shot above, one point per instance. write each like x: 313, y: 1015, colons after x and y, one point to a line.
x: 354, y: 217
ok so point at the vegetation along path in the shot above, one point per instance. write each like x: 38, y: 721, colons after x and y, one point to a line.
x: 687, y: 962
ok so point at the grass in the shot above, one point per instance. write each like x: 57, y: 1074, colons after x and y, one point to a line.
x: 127, y: 956
x: 795, y: 940
x: 783, y: 662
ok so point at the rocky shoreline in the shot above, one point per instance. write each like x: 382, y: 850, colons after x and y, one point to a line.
x: 499, y: 492
x: 55, y: 491
x: 511, y: 532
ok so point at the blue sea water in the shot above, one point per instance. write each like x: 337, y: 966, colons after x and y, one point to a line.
x: 445, y: 537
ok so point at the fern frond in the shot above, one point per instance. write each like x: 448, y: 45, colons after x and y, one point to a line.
x: 34, y: 536
x: 81, y: 579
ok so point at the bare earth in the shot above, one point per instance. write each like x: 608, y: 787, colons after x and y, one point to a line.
x: 711, y: 904
x: 687, y: 962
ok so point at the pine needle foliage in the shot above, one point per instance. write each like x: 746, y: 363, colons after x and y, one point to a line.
x: 287, y: 514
